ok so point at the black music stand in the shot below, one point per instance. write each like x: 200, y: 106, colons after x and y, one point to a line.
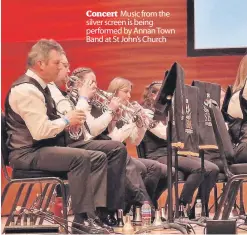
x: 163, y: 111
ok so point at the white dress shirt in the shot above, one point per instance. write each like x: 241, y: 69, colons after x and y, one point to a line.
x: 134, y: 133
x: 55, y: 92
x: 234, y: 108
x: 160, y: 130
x: 96, y: 125
x: 130, y: 131
x: 27, y: 101
x: 57, y: 96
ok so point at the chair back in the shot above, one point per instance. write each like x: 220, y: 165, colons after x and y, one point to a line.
x: 222, y: 137
x: 226, y: 101
x: 190, y: 128
x: 209, y: 93
x: 4, y: 148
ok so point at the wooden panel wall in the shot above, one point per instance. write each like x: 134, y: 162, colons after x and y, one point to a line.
x: 139, y: 62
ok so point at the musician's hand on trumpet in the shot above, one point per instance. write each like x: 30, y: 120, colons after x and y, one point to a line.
x: 87, y: 88
x: 75, y: 131
x: 148, y: 113
x: 114, y: 104
x: 76, y: 117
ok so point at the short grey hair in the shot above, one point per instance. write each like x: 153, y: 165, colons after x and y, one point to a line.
x: 41, y: 50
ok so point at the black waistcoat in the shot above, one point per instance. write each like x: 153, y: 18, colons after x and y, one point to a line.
x: 20, y: 140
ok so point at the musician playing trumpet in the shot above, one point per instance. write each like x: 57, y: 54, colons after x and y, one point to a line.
x: 142, y: 177
x: 156, y: 173
x: 114, y: 152
x: 97, y: 114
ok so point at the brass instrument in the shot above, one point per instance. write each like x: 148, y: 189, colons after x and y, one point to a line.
x: 72, y: 85
x: 101, y: 99
x: 66, y: 105
x: 140, y: 117
x: 129, y: 112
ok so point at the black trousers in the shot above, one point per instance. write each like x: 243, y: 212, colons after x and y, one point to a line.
x: 87, y: 173
x: 239, y: 157
x: 213, y: 155
x: 135, y: 191
x: 191, y: 166
x: 146, y: 180
x: 116, y: 154
x: 154, y: 175
x: 240, y: 153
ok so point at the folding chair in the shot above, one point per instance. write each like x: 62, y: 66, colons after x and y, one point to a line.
x: 27, y: 179
x: 141, y: 151
x: 235, y: 173
x: 208, y: 93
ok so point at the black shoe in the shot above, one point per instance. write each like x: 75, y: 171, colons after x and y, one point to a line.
x: 87, y: 226
x: 109, y: 220
x: 163, y: 219
x: 101, y: 224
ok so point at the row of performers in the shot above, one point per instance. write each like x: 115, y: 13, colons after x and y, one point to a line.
x: 86, y: 140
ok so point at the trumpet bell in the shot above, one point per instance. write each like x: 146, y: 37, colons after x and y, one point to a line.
x: 64, y: 106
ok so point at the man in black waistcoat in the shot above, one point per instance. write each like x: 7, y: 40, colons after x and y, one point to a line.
x: 36, y: 136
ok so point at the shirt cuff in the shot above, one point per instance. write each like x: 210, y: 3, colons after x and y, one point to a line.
x: 66, y: 120
x: 82, y: 104
x: 109, y: 113
x: 84, y: 97
x: 60, y: 123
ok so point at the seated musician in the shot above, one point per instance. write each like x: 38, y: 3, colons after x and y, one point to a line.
x: 156, y: 146
x: 235, y: 110
x: 36, y: 134
x: 114, y: 151
x: 99, y: 122
x: 155, y: 180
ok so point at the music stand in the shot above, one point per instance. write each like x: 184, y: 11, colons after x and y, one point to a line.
x: 163, y: 111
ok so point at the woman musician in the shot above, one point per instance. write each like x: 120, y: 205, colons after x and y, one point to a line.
x: 102, y: 125
x: 156, y: 146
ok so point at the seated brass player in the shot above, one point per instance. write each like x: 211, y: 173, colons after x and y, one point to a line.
x: 98, y: 121
x: 134, y: 128
x: 36, y: 136
x: 156, y: 147
x: 114, y: 150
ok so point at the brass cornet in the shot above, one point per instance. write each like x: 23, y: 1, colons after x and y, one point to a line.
x: 72, y: 85
x: 135, y: 112
x: 102, y: 99
x: 65, y: 105
x: 129, y: 112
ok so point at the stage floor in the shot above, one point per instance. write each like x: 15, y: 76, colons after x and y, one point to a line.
x: 197, y: 229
